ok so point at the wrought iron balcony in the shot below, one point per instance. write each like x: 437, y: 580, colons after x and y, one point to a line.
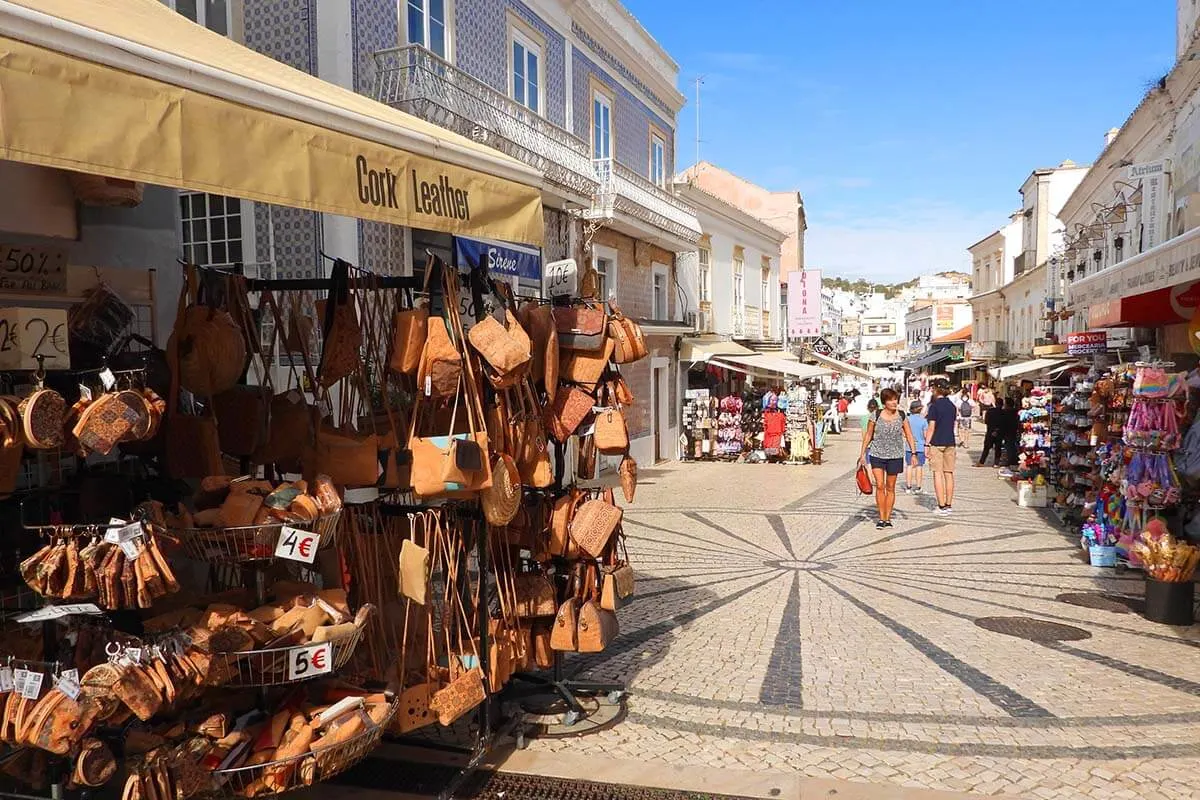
x: 415, y: 80
x: 622, y: 189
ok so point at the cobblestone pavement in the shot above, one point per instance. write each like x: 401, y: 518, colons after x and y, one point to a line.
x: 775, y: 629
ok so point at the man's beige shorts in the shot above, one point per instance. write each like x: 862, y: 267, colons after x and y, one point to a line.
x: 941, y: 459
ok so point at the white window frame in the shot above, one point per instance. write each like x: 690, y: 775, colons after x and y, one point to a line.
x: 704, y: 261
x: 608, y: 254
x: 606, y: 103
x: 657, y: 170
x: 202, y: 14
x: 662, y: 271
x: 447, y: 26
x: 208, y: 218
x: 765, y: 288
x: 519, y: 35
x: 739, y: 282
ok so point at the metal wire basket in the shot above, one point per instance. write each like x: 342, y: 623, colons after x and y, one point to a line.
x: 306, y: 769
x: 270, y: 667
x: 249, y: 543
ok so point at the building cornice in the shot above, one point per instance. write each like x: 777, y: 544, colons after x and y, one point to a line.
x: 614, y: 36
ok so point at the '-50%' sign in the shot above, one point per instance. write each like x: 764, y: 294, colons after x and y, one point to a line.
x: 27, y: 269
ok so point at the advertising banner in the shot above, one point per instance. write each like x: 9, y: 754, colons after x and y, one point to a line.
x: 804, y: 303
x: 1087, y: 343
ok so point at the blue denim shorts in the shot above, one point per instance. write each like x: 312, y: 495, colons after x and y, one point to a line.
x: 892, y: 466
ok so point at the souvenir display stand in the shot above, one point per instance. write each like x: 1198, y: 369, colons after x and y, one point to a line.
x: 701, y: 412
x: 329, y: 519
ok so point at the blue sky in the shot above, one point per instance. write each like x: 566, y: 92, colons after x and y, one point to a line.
x: 908, y: 126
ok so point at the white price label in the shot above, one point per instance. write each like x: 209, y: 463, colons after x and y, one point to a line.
x: 131, y: 549
x: 85, y: 394
x: 134, y: 654
x: 306, y: 662
x: 428, y: 385
x: 561, y: 279
x: 30, y: 684
x: 56, y: 612
x: 123, y: 532
x: 107, y: 378
x: 6, y: 679
x: 297, y: 545
x: 73, y: 674
x: 68, y: 686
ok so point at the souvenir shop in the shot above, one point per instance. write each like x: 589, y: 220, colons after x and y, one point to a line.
x: 776, y: 419
x: 328, y: 510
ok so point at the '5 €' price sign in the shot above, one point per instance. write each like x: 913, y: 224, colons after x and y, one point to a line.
x: 297, y: 545
x: 307, y: 662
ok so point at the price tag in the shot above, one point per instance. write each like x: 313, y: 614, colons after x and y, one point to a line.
x: 126, y: 533
x: 297, y: 545
x: 6, y: 679
x: 56, y: 612
x: 561, y: 279
x: 26, y: 333
x: 131, y: 549
x: 29, y: 269
x: 107, y: 379
x: 73, y: 674
x: 85, y: 394
x: 27, y: 684
x: 306, y: 662
x: 428, y: 385
x: 68, y: 686
x: 134, y: 654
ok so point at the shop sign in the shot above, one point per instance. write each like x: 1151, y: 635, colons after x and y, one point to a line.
x: 502, y: 258
x: 804, y: 303
x: 1087, y: 343
x: 28, y: 269
x: 944, y: 318
x: 822, y: 346
x: 1151, y: 178
x: 956, y: 352
x: 986, y: 351
x: 26, y: 333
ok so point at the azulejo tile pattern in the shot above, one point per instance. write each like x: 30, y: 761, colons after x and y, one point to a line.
x: 631, y: 118
x: 615, y: 63
x: 296, y: 235
x: 376, y: 27
x: 481, y: 50
x: 774, y: 628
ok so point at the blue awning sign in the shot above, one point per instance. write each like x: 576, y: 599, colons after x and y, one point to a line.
x: 504, y: 258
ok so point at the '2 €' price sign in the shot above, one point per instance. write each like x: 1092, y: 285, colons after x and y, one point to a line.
x: 297, y: 545
x: 307, y: 662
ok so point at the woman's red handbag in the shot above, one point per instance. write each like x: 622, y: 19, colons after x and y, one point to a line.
x: 863, y: 479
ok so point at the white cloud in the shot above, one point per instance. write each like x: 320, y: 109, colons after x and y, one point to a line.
x: 911, y: 239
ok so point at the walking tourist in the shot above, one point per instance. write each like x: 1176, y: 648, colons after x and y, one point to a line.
x: 965, y: 412
x: 941, y: 446
x: 992, y: 441
x: 886, y: 436
x: 914, y: 475
x: 986, y: 400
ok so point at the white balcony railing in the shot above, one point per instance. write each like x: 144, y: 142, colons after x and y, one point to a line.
x: 415, y: 80
x: 622, y: 189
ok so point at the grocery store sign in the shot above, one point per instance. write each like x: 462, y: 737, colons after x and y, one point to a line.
x: 1087, y: 343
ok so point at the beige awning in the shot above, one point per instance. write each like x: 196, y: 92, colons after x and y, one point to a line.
x: 838, y: 366
x: 130, y: 89
x: 768, y: 366
x: 1027, y: 367
x: 963, y: 365
x: 702, y: 350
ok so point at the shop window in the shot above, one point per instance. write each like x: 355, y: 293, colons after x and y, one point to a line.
x: 427, y: 25
x: 212, y: 228
x: 216, y: 15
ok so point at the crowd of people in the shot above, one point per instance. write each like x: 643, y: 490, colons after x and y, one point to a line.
x: 938, y: 421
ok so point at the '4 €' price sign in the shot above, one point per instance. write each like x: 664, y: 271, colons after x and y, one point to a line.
x: 307, y: 662
x: 297, y: 545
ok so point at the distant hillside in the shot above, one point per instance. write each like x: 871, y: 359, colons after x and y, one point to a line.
x: 886, y: 289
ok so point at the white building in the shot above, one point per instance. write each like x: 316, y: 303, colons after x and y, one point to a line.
x: 1025, y: 299
x: 928, y: 320
x: 736, y: 284
x: 991, y: 269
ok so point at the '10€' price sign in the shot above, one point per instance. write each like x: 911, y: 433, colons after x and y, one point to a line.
x: 297, y: 545
x: 307, y: 662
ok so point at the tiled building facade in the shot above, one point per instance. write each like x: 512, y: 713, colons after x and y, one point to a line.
x: 583, y: 49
